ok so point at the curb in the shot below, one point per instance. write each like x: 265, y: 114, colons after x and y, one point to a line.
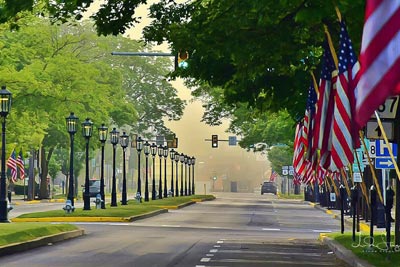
x: 41, y: 241
x: 343, y: 253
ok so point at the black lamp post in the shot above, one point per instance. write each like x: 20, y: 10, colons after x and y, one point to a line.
x: 185, y: 160
x: 176, y: 157
x: 189, y: 162
x: 193, y: 162
x: 103, y: 130
x: 172, y: 157
x: 165, y: 152
x: 139, y: 147
x: 153, y: 149
x: 114, y: 136
x: 87, y: 130
x: 5, y: 106
x: 124, y: 144
x: 160, y: 155
x: 146, y: 150
x: 72, y: 122
x: 182, y: 160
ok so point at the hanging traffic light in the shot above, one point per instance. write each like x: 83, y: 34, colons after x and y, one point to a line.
x: 214, y: 141
x: 181, y: 60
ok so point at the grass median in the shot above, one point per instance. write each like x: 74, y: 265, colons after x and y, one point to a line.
x: 377, y: 254
x: 12, y: 233
x: 134, y: 208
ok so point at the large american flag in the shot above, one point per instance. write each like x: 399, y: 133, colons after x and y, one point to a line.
x: 379, y: 58
x: 273, y: 176
x: 12, y: 165
x: 309, y: 118
x: 344, y: 135
x: 324, y: 113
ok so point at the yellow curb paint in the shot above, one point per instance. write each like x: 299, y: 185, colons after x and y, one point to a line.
x: 168, y: 207
x: 364, y: 227
x: 329, y: 212
x: 197, y: 200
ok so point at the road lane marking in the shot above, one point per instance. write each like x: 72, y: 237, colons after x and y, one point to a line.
x: 213, y: 250
x: 220, y: 242
x: 209, y: 255
x: 205, y: 259
x: 322, y: 231
x: 217, y: 246
x: 271, y: 229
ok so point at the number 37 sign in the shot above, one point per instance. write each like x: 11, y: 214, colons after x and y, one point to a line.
x: 388, y: 112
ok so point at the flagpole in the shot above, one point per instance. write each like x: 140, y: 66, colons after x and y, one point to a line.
x: 378, y: 189
x: 363, y: 188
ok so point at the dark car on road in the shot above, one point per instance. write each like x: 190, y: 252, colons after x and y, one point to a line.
x: 268, y: 187
x: 94, y: 188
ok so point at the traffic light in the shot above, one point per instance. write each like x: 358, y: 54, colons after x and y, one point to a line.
x: 181, y: 60
x: 214, y: 141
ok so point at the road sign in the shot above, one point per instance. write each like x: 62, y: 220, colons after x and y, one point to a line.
x: 232, y: 140
x: 388, y: 110
x: 382, y: 149
x: 357, y: 177
x: 384, y: 163
x: 375, y: 132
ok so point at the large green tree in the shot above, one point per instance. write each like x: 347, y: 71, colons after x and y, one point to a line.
x: 54, y: 69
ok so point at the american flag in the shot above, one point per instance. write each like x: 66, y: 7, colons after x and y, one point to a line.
x: 344, y: 134
x: 325, y: 104
x: 21, y: 165
x: 12, y: 165
x: 379, y: 58
x: 309, y: 118
x: 273, y: 176
x: 299, y: 164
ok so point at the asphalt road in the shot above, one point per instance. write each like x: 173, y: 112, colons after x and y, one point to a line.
x: 234, y: 230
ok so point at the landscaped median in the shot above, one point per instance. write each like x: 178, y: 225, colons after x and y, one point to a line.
x: 34, y: 229
x: 376, y: 255
x: 122, y: 213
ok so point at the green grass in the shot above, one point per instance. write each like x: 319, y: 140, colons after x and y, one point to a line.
x: 377, y: 255
x: 132, y: 209
x: 21, y: 232
x: 291, y: 196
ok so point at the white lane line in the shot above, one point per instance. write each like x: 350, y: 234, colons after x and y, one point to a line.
x: 205, y: 259
x: 220, y: 242
x: 170, y: 225
x: 271, y: 229
x: 209, y: 255
x: 200, y: 266
x: 213, y: 250
x: 217, y: 246
x: 322, y: 231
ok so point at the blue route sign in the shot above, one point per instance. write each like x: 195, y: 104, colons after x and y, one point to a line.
x: 384, y: 163
x: 383, y: 151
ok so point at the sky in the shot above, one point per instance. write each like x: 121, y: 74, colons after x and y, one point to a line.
x: 216, y: 168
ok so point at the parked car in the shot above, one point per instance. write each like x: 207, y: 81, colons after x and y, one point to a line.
x: 268, y: 187
x: 94, y: 188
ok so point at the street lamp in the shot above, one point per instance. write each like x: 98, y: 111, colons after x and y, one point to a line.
x: 103, y: 130
x: 160, y: 154
x: 153, y: 149
x: 5, y: 106
x: 146, y: 150
x: 124, y: 145
x: 185, y: 160
x: 172, y: 157
x: 189, y: 162
x: 114, y: 136
x: 165, y: 152
x: 176, y: 157
x: 72, y: 122
x: 193, y: 162
x: 87, y: 130
x: 139, y: 147
x: 182, y: 160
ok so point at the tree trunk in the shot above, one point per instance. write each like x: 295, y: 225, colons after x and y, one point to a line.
x: 44, y: 166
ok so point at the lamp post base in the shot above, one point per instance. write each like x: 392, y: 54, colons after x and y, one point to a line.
x: 86, y: 201
x: 3, y: 212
